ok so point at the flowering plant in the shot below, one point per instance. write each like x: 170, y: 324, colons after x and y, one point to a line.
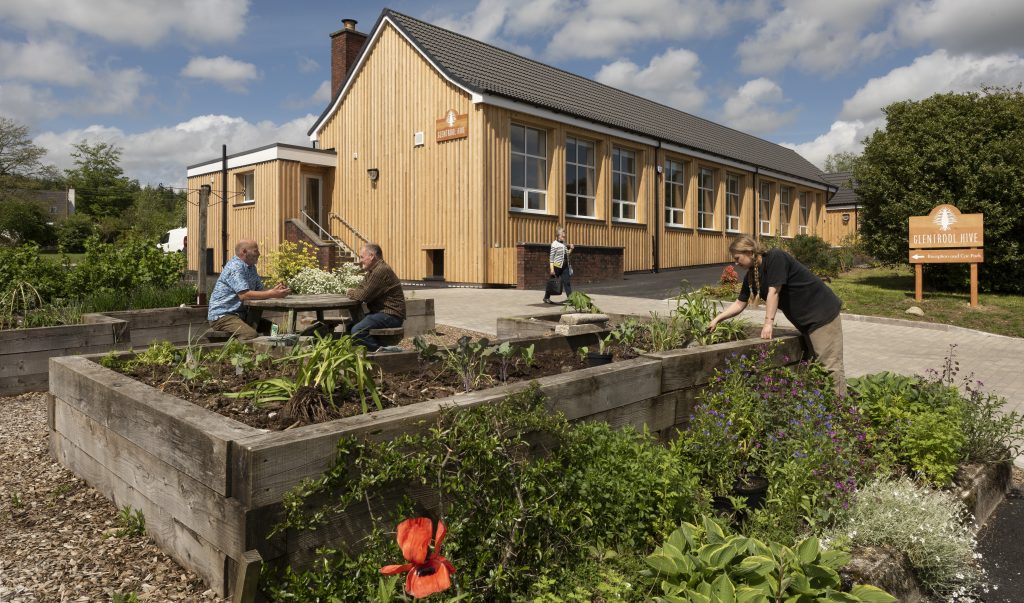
x: 729, y: 276
x: 425, y: 575
x: 313, y: 281
x: 785, y: 423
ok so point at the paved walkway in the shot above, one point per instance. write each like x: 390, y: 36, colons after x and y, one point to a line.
x: 870, y: 344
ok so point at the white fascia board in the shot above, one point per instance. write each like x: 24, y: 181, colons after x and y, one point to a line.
x: 501, y: 101
x: 269, y: 154
x: 807, y: 183
x: 315, y: 136
x: 708, y: 157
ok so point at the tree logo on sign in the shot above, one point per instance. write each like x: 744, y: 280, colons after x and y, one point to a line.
x: 944, y: 219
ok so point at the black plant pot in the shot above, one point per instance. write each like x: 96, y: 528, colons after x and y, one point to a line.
x: 598, y: 359
x: 753, y: 488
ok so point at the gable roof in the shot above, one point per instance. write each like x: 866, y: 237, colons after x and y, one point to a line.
x: 491, y: 74
x: 846, y: 196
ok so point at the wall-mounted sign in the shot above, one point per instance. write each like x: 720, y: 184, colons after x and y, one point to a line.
x: 453, y: 125
x: 944, y: 227
x: 946, y: 236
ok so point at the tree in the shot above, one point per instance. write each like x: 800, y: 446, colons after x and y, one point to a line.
x: 962, y: 149
x: 156, y: 210
x: 23, y: 222
x: 74, y: 231
x: 18, y: 155
x: 101, y: 188
x: 844, y: 161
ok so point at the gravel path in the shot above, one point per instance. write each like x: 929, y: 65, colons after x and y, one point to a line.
x: 57, y: 535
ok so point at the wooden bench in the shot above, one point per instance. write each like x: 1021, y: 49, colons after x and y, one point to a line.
x: 389, y: 336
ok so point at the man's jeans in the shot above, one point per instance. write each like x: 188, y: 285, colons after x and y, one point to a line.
x: 378, y: 320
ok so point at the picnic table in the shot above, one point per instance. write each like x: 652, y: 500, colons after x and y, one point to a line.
x: 294, y: 304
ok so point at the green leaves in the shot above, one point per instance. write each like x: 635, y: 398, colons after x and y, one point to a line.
x: 705, y: 564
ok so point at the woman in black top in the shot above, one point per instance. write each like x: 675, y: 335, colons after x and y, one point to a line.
x: 785, y: 284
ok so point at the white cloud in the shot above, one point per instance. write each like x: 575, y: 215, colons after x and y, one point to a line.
x: 307, y: 65
x: 319, y: 99
x: 108, y: 92
x: 608, y: 28
x: 137, y: 22
x: 670, y: 78
x: 981, y: 26
x: 816, y: 36
x: 230, y: 73
x: 27, y: 104
x: 843, y: 136
x: 931, y: 74
x: 162, y: 154
x: 48, y: 61
x: 754, y: 107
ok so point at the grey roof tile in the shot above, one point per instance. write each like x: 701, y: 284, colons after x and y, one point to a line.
x: 486, y: 69
x: 846, y: 194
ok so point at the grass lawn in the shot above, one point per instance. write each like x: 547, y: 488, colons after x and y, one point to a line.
x: 889, y: 292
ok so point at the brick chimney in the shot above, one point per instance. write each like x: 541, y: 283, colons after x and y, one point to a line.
x: 345, y: 46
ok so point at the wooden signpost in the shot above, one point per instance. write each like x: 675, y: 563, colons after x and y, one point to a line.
x: 945, y: 236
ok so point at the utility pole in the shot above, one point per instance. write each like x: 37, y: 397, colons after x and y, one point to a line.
x: 204, y: 202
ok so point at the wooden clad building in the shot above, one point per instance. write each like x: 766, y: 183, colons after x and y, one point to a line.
x: 454, y: 155
x: 842, y: 212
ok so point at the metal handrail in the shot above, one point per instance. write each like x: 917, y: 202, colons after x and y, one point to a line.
x: 348, y: 226
x: 324, y: 234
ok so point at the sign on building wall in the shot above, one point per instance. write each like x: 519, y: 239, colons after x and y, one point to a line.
x: 453, y: 125
x: 946, y: 236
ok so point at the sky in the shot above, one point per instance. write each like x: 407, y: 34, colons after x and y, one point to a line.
x: 170, y: 81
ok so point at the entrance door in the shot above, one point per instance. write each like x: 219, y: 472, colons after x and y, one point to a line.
x: 312, y: 202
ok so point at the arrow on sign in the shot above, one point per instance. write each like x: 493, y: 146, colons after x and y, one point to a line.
x: 916, y: 257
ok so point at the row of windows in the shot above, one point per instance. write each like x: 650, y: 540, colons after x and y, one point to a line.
x: 529, y: 169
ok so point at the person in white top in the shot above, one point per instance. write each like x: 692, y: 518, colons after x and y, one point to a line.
x: 558, y: 264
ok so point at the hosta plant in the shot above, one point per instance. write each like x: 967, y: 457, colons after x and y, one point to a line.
x: 705, y: 565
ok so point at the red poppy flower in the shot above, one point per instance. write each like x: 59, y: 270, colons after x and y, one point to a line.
x: 426, y: 575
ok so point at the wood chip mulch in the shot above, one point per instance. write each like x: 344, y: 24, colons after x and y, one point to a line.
x: 57, y: 539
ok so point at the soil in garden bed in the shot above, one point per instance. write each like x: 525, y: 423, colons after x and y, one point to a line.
x: 308, y: 405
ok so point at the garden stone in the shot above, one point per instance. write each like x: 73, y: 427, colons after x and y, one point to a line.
x: 580, y: 318
x: 562, y: 329
x: 887, y: 569
x: 915, y: 311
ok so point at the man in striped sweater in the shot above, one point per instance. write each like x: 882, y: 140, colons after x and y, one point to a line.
x: 382, y: 293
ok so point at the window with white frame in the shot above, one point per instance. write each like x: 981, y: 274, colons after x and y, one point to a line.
x: 675, y: 193
x: 765, y: 212
x: 623, y: 184
x: 805, y: 209
x: 706, y: 199
x: 732, y: 202
x: 785, y: 208
x: 247, y: 186
x: 529, y: 168
x: 580, y: 178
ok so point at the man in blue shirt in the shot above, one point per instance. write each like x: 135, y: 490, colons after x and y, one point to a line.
x: 237, y: 283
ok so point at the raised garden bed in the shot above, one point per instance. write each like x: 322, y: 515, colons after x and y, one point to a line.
x: 25, y: 353
x: 211, y: 487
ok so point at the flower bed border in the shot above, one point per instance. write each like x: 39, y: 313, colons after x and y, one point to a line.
x: 211, y: 488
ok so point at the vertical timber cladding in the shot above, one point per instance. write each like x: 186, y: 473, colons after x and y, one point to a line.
x: 260, y: 220
x: 426, y: 197
x: 507, y: 227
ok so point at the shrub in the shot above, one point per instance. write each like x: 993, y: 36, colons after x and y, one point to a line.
x: 73, y: 231
x: 519, y: 489
x: 930, y: 526
x: 128, y: 264
x: 313, y: 281
x: 815, y: 253
x: 289, y: 260
x: 914, y: 423
x: 23, y: 263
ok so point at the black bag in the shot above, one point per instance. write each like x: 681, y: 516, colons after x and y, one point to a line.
x: 554, y: 286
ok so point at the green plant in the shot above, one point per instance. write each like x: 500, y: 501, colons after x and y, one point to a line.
x: 425, y: 352
x: 578, y: 301
x: 930, y: 526
x: 521, y: 491
x: 326, y: 366
x: 468, y: 360
x: 815, y: 253
x: 663, y: 334
x: 913, y: 423
x: 706, y: 565
x: 509, y: 356
x: 288, y: 260
x: 992, y: 434
x: 132, y: 523
x: 119, y: 597
x: 157, y: 353
x: 17, y: 301
x: 693, y: 313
